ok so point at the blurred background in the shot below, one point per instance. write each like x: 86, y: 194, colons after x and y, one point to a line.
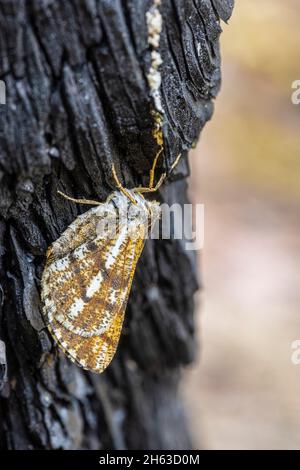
x: 244, y: 392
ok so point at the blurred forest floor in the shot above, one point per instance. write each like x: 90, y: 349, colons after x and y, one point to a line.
x: 244, y: 392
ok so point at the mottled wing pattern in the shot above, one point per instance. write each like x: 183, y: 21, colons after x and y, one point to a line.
x: 82, y: 229
x: 85, y: 293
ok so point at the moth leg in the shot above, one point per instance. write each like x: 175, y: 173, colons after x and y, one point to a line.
x: 80, y: 201
x: 175, y: 163
x: 152, y: 189
x: 141, y: 189
x: 120, y: 187
x: 152, y: 171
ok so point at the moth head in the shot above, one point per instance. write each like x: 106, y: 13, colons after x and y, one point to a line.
x: 150, y: 209
x: 154, y: 212
x: 145, y: 213
x: 137, y: 212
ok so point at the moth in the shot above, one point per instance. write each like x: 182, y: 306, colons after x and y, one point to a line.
x: 87, y: 277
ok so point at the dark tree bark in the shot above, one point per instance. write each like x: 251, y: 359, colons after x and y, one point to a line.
x: 78, y: 100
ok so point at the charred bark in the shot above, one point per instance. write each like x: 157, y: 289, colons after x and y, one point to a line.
x: 78, y: 100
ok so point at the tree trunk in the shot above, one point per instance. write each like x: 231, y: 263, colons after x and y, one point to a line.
x: 78, y: 100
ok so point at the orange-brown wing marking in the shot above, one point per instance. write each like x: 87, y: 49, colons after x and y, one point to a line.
x: 96, y: 352
x: 83, y: 289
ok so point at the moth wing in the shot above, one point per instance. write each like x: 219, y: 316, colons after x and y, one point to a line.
x: 83, y: 228
x: 82, y: 289
x: 96, y: 352
x: 93, y: 353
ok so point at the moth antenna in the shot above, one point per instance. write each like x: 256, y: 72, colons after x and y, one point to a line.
x: 175, y: 163
x: 80, y: 201
x: 120, y: 186
x: 152, y: 189
x: 152, y: 171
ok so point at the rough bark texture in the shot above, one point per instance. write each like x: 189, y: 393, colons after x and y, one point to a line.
x: 78, y: 100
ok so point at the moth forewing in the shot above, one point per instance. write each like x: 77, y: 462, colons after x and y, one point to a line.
x: 95, y: 352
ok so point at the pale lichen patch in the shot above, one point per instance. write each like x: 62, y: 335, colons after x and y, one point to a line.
x: 154, y: 26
